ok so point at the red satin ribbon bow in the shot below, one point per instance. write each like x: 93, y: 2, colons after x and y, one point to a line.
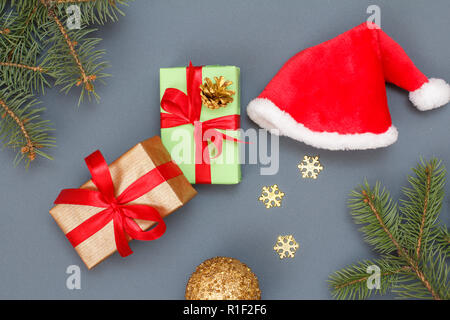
x: 186, y: 109
x: 116, y: 208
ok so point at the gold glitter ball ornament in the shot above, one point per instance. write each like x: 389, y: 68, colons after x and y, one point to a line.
x: 216, y: 95
x: 223, y: 278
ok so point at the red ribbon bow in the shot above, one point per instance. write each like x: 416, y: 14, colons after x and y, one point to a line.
x: 116, y: 208
x: 186, y: 109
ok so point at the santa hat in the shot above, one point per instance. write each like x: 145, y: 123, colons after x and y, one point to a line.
x: 333, y: 96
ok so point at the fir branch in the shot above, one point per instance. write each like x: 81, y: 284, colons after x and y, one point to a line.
x: 422, y: 206
x: 402, y: 252
x: 435, y: 270
x: 85, y: 79
x: 72, y: 1
x: 412, y: 232
x: 22, y: 66
x: 29, y: 147
x: 98, y: 11
x: 374, y: 209
x: 18, y: 47
x: 428, y: 172
x: 35, y: 47
x: 9, y: 29
x: 19, y: 69
x: 352, y: 281
x: 34, y: 18
x: 26, y: 22
x: 21, y: 128
x: 443, y: 240
x: 67, y: 73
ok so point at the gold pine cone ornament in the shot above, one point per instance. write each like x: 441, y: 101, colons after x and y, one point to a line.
x: 223, y: 278
x: 216, y: 95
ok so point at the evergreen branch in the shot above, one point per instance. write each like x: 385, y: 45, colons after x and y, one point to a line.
x: 422, y: 245
x: 370, y: 202
x: 85, y: 79
x: 443, y: 240
x: 428, y: 172
x: 422, y: 206
x: 22, y: 66
x: 35, y: 46
x: 352, y: 281
x: 61, y: 63
x: 19, y: 69
x: 72, y: 1
x: 92, y: 11
x: 32, y: 14
x: 29, y: 19
x: 435, y: 269
x: 402, y: 252
x: 20, y: 127
x: 374, y: 209
x: 21, y: 42
x: 8, y: 30
x: 30, y: 147
x: 99, y: 11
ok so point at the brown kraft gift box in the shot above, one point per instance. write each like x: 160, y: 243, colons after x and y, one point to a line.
x: 165, y: 198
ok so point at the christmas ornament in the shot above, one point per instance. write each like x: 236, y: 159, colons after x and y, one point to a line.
x: 223, y: 278
x: 36, y: 49
x: 310, y: 167
x: 333, y: 95
x: 122, y: 201
x: 182, y: 113
x: 271, y: 196
x: 286, y: 246
x: 413, y: 244
x: 216, y: 95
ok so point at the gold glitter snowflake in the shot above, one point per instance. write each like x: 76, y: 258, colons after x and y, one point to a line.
x: 271, y: 196
x: 310, y: 167
x: 286, y: 246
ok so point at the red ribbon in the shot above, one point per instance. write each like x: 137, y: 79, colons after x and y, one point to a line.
x: 116, y: 208
x: 186, y: 109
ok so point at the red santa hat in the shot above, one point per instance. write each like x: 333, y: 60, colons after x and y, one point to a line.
x: 333, y: 96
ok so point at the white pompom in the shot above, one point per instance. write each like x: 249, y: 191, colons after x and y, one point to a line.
x: 431, y: 95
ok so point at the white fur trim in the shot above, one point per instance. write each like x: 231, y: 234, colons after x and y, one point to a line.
x: 431, y: 95
x: 268, y: 116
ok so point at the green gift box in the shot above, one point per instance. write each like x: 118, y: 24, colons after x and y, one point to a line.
x: 181, y: 104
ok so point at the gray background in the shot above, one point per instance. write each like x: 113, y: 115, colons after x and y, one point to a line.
x: 258, y: 36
